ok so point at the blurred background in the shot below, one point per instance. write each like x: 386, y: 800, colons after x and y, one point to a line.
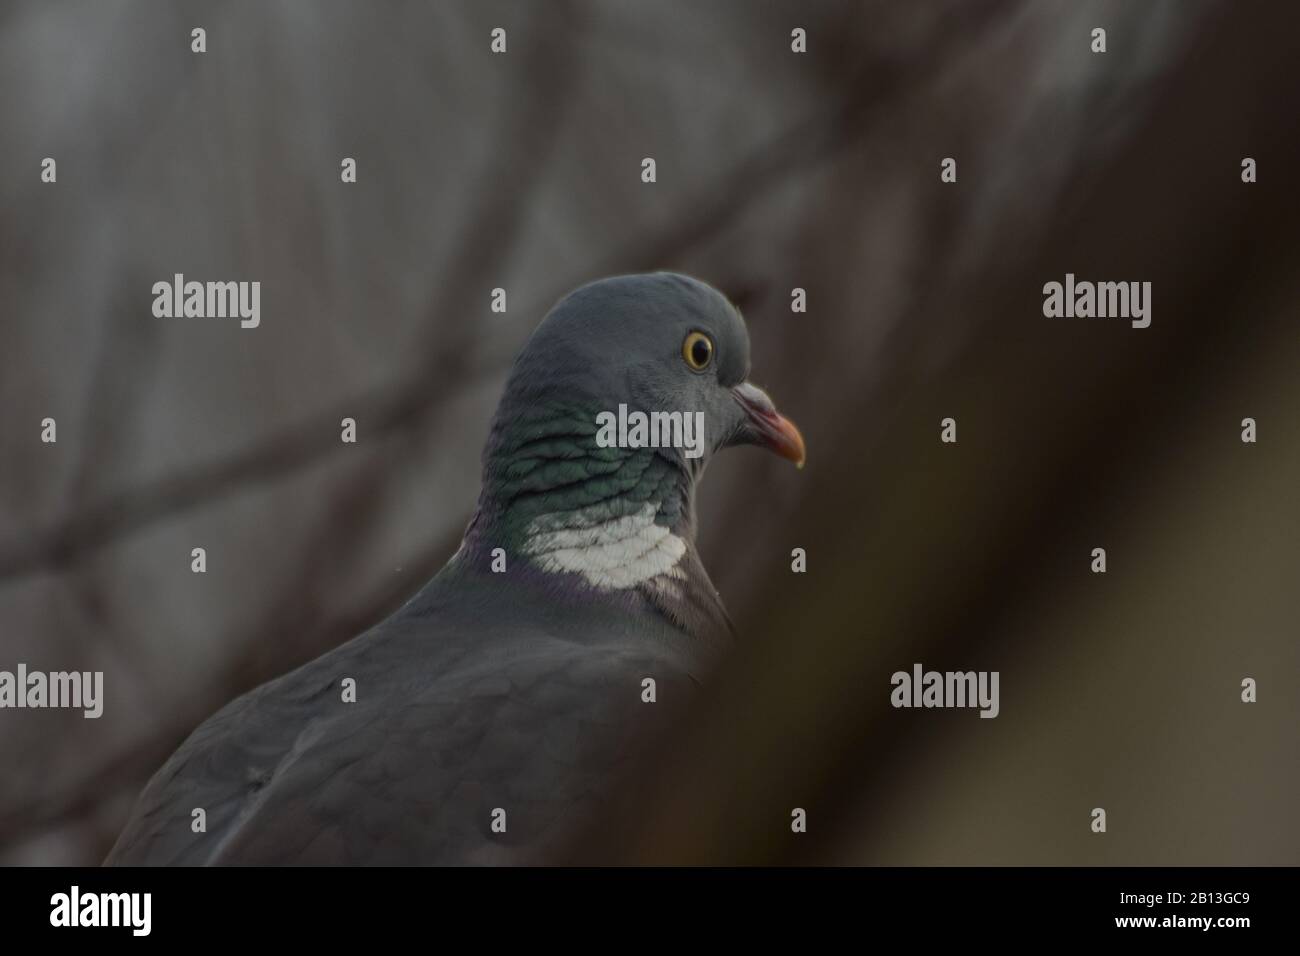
x: 776, y: 170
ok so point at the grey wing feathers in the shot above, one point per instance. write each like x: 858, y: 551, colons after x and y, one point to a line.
x: 414, y: 769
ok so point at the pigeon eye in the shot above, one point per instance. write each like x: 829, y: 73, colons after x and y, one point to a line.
x: 698, y: 351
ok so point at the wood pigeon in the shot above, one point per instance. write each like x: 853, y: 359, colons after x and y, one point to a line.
x: 490, y: 716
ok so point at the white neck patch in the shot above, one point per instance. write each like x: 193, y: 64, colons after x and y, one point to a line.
x: 610, y: 553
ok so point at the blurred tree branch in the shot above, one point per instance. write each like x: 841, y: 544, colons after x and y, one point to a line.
x: 868, y: 88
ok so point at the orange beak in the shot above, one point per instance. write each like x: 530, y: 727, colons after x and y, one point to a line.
x: 767, y: 426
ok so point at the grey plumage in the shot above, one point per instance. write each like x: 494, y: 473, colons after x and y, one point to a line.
x: 519, y: 690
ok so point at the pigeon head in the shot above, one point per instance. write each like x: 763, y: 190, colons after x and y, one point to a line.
x: 660, y: 343
x: 611, y: 412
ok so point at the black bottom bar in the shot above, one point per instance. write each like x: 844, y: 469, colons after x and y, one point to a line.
x: 439, y: 905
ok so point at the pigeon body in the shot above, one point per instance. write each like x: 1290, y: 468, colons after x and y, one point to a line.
x: 494, y: 712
